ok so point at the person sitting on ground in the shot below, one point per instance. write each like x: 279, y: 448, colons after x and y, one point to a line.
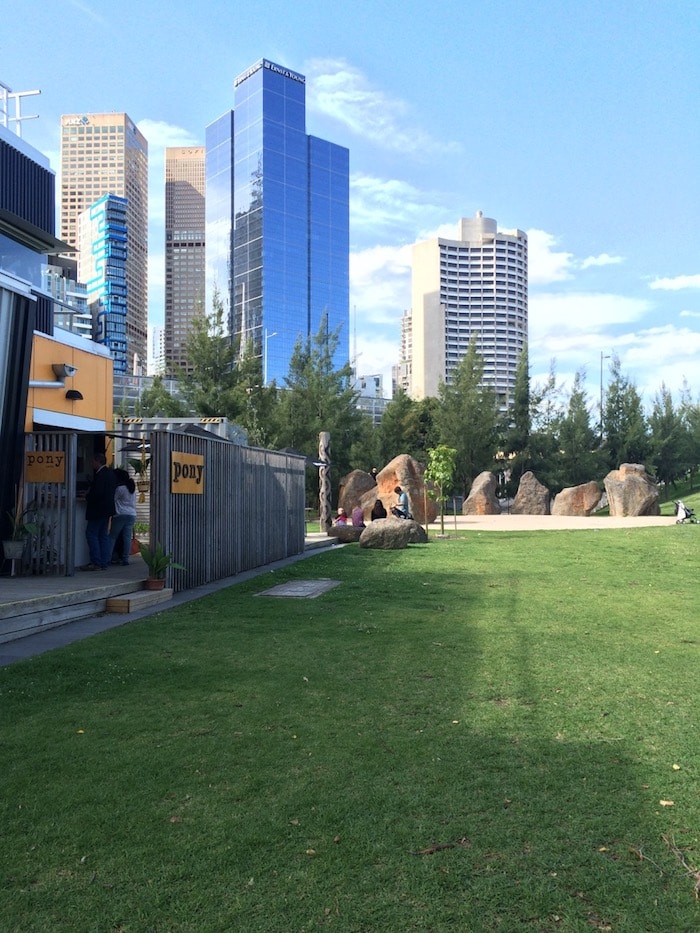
x: 358, y: 517
x: 401, y: 509
x: 342, y: 518
x: 378, y: 510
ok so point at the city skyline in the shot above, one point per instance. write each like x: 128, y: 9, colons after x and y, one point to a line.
x: 105, y: 153
x: 577, y: 125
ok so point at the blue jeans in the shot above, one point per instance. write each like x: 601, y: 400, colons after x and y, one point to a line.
x: 122, y: 526
x: 99, y: 543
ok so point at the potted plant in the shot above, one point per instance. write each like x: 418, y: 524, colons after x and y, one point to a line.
x: 140, y: 467
x: 21, y: 528
x: 157, y: 562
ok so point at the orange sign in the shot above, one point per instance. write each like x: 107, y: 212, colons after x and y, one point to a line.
x: 45, y: 466
x: 186, y: 473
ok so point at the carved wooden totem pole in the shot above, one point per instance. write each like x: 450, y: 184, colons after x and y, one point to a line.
x: 324, y: 478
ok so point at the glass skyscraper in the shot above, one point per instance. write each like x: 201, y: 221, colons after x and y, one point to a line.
x: 102, y: 260
x: 278, y: 248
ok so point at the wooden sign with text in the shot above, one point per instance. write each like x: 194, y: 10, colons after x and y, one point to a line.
x: 186, y: 473
x: 45, y: 466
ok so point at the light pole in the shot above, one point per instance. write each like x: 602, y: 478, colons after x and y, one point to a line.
x: 267, y: 337
x: 602, y: 357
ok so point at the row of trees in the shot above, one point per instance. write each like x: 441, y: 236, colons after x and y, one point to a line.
x: 555, y: 434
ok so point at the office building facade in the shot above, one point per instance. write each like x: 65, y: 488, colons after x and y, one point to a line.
x: 184, y: 250
x: 280, y: 241
x: 102, y: 263
x: 105, y: 153
x: 472, y: 287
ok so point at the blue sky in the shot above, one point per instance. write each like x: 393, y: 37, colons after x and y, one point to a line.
x: 575, y: 122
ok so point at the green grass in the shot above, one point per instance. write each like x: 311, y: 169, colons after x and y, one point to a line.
x: 249, y: 763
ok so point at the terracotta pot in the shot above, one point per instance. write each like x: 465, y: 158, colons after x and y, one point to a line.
x: 154, y: 583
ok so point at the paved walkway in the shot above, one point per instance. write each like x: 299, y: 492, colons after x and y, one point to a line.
x: 22, y: 588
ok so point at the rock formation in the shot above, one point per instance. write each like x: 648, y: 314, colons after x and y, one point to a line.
x: 351, y: 490
x: 577, y: 500
x: 532, y: 498
x: 631, y: 491
x: 392, y: 534
x: 407, y: 473
x: 482, y: 496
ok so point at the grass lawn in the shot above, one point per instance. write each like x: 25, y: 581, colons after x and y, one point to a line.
x: 496, y: 731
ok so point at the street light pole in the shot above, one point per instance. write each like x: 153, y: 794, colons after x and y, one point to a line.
x: 267, y: 337
x: 602, y: 357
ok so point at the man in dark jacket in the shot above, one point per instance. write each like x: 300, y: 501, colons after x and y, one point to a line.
x: 100, y: 508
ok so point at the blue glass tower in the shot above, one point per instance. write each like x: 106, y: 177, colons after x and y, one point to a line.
x: 288, y: 265
x: 102, y: 267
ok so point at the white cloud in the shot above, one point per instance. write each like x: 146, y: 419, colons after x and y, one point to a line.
x: 380, y: 285
x: 604, y: 259
x: 689, y: 314
x: 545, y: 264
x: 89, y: 11
x: 568, y: 317
x: 342, y: 92
x: 676, y: 283
x: 386, y: 208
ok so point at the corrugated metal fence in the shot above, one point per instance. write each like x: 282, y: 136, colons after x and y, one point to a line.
x: 247, y: 511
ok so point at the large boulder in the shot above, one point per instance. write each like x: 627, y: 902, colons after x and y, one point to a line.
x: 482, y: 496
x: 631, y: 491
x: 577, y: 500
x: 345, y: 533
x: 532, y: 498
x: 392, y: 534
x: 351, y: 489
x: 407, y: 473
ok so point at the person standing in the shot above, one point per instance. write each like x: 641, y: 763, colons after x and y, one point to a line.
x: 124, y: 516
x: 99, y: 509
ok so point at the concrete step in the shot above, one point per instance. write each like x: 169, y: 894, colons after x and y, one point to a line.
x: 139, y: 599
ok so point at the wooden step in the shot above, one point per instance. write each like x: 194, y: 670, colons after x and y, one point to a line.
x: 140, y: 599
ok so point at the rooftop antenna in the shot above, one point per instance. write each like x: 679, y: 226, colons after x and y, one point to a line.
x: 6, y: 96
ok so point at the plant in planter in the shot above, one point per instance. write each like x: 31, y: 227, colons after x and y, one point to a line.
x: 22, y: 527
x: 140, y: 467
x: 157, y: 562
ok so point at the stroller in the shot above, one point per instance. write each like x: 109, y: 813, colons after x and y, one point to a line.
x: 684, y: 513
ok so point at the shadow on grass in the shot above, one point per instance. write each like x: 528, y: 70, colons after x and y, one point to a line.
x: 384, y: 757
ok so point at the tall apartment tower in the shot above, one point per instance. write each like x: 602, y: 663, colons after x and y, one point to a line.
x: 277, y: 220
x: 104, y: 153
x: 184, y: 250
x: 472, y: 287
x: 102, y: 262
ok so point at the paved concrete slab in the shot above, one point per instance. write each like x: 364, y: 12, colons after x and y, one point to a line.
x: 301, y: 589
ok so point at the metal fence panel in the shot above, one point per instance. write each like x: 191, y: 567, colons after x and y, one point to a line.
x: 250, y: 511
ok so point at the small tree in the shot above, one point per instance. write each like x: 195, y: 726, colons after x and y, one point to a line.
x: 440, y: 472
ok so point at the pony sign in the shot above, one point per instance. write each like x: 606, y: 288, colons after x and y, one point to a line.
x: 186, y: 473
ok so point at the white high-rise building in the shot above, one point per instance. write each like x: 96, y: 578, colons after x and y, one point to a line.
x: 105, y: 153
x: 474, y: 286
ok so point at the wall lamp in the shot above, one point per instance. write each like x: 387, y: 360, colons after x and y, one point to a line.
x: 64, y: 370
x: 61, y: 371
